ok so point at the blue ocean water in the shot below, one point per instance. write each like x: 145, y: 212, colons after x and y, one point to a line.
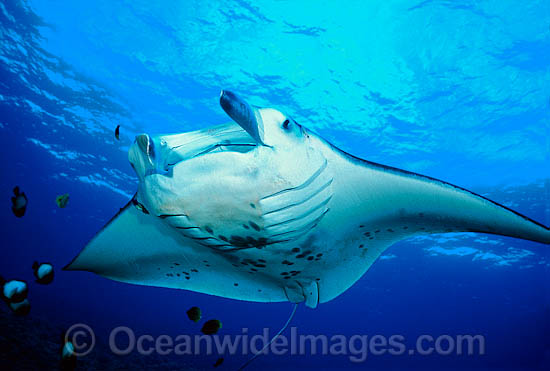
x: 458, y: 91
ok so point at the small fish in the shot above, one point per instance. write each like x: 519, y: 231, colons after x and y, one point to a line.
x: 14, y: 294
x: 219, y: 361
x: 14, y: 291
x: 117, y: 132
x: 19, y: 202
x: 43, y: 272
x: 68, y: 357
x: 194, y: 314
x: 62, y: 200
x: 211, y: 327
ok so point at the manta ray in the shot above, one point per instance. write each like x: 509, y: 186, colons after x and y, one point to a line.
x: 262, y: 209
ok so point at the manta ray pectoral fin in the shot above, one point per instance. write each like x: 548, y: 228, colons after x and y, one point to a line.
x: 400, y: 199
x: 386, y: 205
x: 114, y: 249
x: 243, y: 114
x: 452, y: 208
x: 361, y: 257
x: 140, y: 248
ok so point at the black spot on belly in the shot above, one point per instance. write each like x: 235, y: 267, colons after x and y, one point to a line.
x: 405, y: 227
x: 208, y: 229
x: 367, y: 234
x: 253, y: 269
x: 259, y: 290
x: 361, y: 246
x: 303, y: 254
x: 361, y: 226
x: 223, y: 238
x: 296, y: 249
x: 377, y: 231
x: 194, y: 270
x: 390, y: 230
x: 319, y: 255
x: 245, y: 226
x: 254, y: 225
x: 187, y: 278
x: 286, y: 277
x: 207, y: 265
x: 248, y: 242
x: 235, y: 284
x: 261, y: 260
x: 284, y: 273
x: 252, y: 206
x: 310, y: 257
x: 176, y: 263
x: 184, y: 272
x: 177, y: 274
x: 239, y: 241
x: 260, y: 265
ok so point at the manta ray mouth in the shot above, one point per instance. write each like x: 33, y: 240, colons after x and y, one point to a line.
x: 224, y: 147
x: 158, y: 155
x: 187, y: 146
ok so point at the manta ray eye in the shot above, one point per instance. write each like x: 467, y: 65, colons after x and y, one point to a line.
x: 286, y: 124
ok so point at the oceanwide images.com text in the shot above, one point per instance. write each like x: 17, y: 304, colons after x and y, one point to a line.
x: 123, y: 341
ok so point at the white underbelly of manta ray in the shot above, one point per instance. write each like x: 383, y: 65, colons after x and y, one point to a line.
x: 264, y: 210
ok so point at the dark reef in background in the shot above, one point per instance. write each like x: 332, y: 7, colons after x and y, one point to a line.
x: 31, y: 343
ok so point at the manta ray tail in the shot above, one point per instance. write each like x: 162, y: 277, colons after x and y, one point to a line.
x: 272, y: 339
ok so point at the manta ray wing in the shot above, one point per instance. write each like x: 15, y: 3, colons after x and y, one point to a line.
x: 374, y: 206
x: 136, y: 247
